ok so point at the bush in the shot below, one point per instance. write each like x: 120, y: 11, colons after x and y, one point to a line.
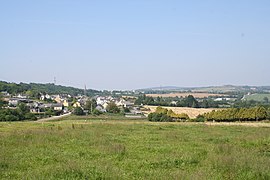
x: 165, y: 115
x: 126, y: 110
x: 30, y: 116
x: 50, y: 112
x: 159, y: 117
x: 11, y: 118
x: 112, y: 108
x: 78, y: 111
x: 268, y: 114
x: 96, y: 112
x: 199, y: 118
x: 11, y: 115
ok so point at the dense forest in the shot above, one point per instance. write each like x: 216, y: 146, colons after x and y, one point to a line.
x: 34, y: 89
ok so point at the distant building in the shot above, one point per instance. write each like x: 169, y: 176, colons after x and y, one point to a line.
x: 222, y: 99
x: 174, y: 102
x: 5, y: 94
x: 66, y: 103
x: 100, y: 108
x: 16, y: 101
x: 76, y: 104
x: 57, y: 107
x: 58, y: 99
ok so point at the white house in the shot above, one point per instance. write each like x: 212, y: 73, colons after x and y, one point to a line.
x: 100, y: 108
x: 57, y: 107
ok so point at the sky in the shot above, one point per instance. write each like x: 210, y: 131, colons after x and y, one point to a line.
x: 132, y: 44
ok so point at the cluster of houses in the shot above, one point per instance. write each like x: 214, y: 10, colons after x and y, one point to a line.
x: 103, y: 101
x: 63, y: 102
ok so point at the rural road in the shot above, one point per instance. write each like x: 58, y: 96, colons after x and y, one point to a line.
x: 53, y: 118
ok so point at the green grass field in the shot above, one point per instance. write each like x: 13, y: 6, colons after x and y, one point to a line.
x: 257, y: 97
x: 118, y: 148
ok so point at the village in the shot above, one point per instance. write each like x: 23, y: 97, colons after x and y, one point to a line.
x: 58, y: 104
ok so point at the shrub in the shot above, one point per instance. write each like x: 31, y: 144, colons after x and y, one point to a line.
x: 112, y: 108
x: 199, y: 118
x: 96, y: 112
x: 30, y: 116
x: 159, y: 117
x: 11, y: 118
x: 78, y: 111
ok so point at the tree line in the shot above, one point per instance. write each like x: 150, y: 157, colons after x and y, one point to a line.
x: 191, y: 101
x: 188, y: 101
x: 238, y: 114
x: 22, y: 112
x: 225, y: 115
x: 34, y: 89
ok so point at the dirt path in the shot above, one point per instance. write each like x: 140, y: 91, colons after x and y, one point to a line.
x: 251, y: 124
x: 53, y: 118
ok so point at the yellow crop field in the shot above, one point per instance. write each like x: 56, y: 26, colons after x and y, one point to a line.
x: 196, y: 95
x: 191, y: 112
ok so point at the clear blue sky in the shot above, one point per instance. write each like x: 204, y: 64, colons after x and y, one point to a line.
x: 129, y: 44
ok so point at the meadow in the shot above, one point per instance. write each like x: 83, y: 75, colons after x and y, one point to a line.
x: 118, y: 148
x: 257, y: 97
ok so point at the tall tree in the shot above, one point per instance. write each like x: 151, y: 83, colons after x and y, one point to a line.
x: 90, y: 105
x: 112, y: 108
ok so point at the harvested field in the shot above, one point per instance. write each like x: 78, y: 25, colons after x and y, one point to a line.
x: 191, y: 112
x: 196, y: 95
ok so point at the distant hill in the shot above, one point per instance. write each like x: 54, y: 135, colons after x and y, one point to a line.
x: 257, y: 97
x: 209, y: 89
x: 161, y: 88
x: 14, y: 88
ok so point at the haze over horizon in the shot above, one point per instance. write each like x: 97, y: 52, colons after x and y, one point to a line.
x: 135, y: 44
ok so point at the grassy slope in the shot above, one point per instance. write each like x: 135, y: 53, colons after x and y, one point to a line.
x: 257, y: 97
x: 116, y: 149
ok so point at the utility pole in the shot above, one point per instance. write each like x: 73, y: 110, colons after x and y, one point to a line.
x: 91, y: 107
x: 54, y: 80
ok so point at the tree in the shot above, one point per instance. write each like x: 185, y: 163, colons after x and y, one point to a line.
x: 205, y: 104
x: 268, y: 114
x: 261, y: 113
x: 11, y: 118
x: 126, y: 110
x: 112, y: 108
x: 2, y: 102
x: 90, y: 105
x: 241, y: 114
x: 159, y: 117
x: 199, y: 118
x: 78, y: 111
x: 265, y: 100
x: 190, y: 101
x: 143, y: 99
x: 161, y: 110
x: 23, y: 108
